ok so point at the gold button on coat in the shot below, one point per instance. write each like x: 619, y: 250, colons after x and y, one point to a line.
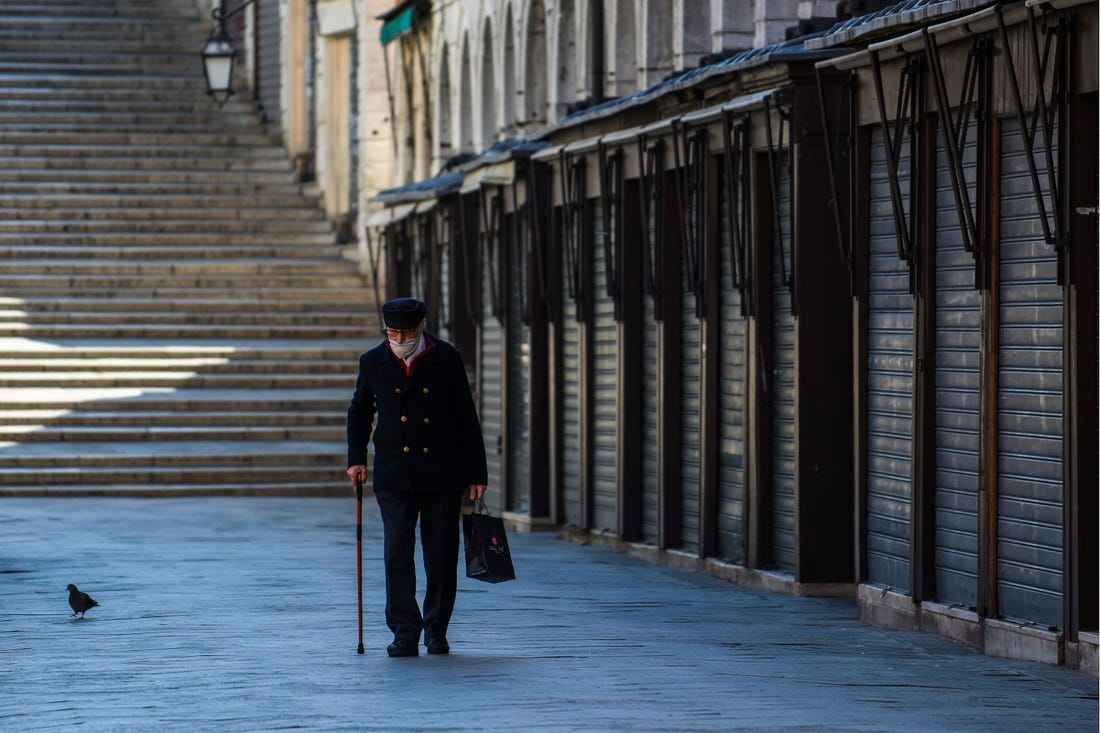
x: 425, y: 450
x: 425, y: 390
x: 405, y: 449
x: 397, y: 390
x: 404, y: 418
x: 426, y: 421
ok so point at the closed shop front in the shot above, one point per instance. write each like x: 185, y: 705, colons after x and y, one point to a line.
x: 958, y: 397
x: 732, y: 441
x: 490, y: 349
x: 972, y: 439
x: 889, y: 418
x: 782, y: 378
x: 605, y: 380
x: 1029, y: 398
x: 518, y: 364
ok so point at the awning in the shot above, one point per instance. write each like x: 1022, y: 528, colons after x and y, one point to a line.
x: 983, y: 21
x: 390, y: 214
x: 398, y: 25
x: 496, y: 174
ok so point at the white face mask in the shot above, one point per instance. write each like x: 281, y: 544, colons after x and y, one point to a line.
x: 403, y: 350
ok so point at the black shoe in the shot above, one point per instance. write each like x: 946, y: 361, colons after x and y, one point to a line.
x: 438, y: 646
x: 402, y: 648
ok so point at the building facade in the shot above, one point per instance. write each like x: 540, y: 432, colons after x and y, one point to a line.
x: 801, y: 294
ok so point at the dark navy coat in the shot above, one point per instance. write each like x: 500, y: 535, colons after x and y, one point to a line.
x: 428, y: 437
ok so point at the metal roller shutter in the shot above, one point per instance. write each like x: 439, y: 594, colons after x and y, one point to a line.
x: 270, y: 65
x: 491, y: 378
x: 442, y: 315
x: 571, y: 404
x: 731, y: 441
x: 519, y: 366
x: 1029, y: 403
x: 605, y: 350
x: 691, y: 395
x: 958, y: 397
x: 651, y: 435
x: 782, y: 403
x: 691, y: 412
x: 889, y: 384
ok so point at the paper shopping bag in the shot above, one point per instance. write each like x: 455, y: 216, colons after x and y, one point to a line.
x: 487, y: 555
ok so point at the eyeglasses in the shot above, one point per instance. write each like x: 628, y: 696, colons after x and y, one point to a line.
x: 400, y: 333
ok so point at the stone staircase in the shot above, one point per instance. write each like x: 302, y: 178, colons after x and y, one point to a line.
x: 176, y: 317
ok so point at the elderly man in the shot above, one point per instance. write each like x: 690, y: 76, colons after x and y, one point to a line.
x: 428, y: 452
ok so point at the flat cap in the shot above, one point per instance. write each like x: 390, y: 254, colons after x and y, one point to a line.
x: 403, y: 313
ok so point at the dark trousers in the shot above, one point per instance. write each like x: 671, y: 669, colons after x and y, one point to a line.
x: 439, y: 530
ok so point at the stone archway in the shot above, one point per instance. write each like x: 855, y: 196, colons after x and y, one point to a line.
x: 488, y: 90
x: 536, y: 66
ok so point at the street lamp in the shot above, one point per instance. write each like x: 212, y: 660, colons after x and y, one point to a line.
x: 218, y: 55
x: 334, y: 17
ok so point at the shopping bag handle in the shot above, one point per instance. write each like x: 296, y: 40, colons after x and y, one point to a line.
x: 480, y: 508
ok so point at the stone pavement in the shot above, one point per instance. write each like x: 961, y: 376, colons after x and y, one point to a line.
x: 229, y: 614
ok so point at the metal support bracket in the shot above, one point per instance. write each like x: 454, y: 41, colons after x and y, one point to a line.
x: 840, y: 155
x: 737, y: 160
x: 1048, y: 111
x: 651, y: 164
x: 689, y: 149
x: 910, y: 113
x: 973, y: 101
x: 492, y: 214
x: 611, y: 195
x: 573, y: 198
x: 775, y: 139
x: 539, y: 189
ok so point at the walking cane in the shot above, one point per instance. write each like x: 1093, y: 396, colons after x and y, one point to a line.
x: 359, y: 551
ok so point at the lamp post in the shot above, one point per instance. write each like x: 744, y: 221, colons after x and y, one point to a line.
x: 218, y: 54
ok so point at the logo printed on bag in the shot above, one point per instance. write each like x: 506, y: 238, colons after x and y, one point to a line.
x: 495, y: 546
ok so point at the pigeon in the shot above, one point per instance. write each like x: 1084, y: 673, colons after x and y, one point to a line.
x: 80, y: 601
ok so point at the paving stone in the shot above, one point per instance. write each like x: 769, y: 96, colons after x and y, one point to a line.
x: 239, y: 614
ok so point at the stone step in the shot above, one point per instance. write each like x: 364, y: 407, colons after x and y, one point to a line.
x: 124, y: 212
x: 144, y: 380
x: 168, y: 117
x: 70, y: 203
x: 176, y: 252
x: 256, y: 351
x: 23, y: 88
x: 153, y: 226
x: 172, y: 113
x: 43, y: 433
x: 76, y: 60
x: 186, y: 474
x: 113, y: 331
x: 176, y: 316
x: 351, y: 303
x: 91, y: 134
x: 35, y: 83
x: 164, y: 399
x: 164, y: 487
x: 104, y: 419
x: 12, y: 281
x: 184, y: 10
x: 109, y: 162
x: 200, y: 380
x: 174, y: 362
x: 74, y: 27
x: 190, y: 318
x: 247, y: 290
x: 258, y: 191
x: 79, y: 268
x: 143, y: 454
x: 120, y: 148
x: 65, y: 176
